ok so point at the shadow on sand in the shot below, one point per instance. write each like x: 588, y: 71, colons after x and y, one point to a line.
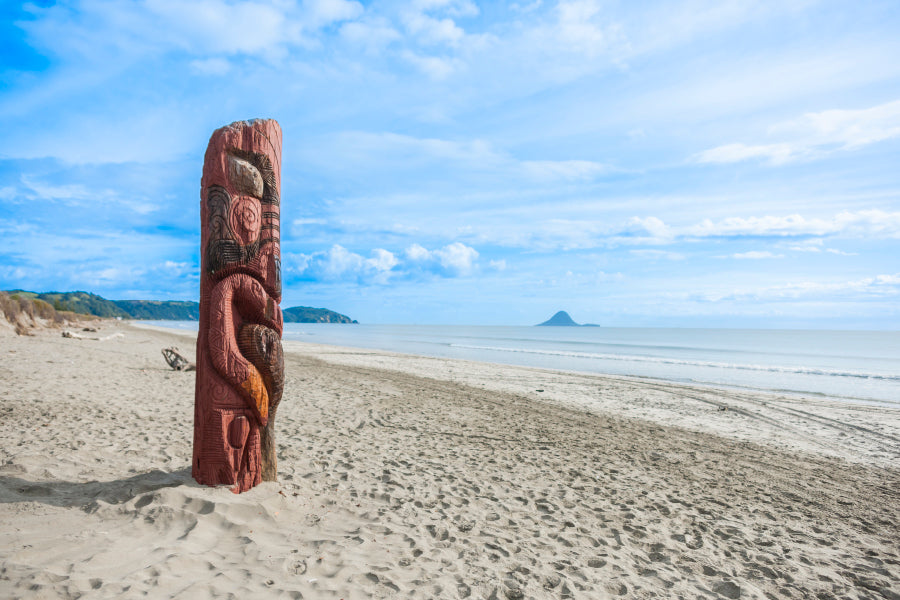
x: 69, y: 494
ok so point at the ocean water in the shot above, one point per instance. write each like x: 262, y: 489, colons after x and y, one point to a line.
x: 853, y: 366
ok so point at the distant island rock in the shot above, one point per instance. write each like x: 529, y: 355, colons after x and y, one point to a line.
x: 86, y: 303
x: 562, y: 319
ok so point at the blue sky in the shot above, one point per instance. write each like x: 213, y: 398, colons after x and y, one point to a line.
x: 676, y: 163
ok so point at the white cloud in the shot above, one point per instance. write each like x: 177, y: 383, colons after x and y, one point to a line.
x: 10, y: 227
x: 669, y: 24
x: 730, y: 153
x: 214, y: 26
x: 549, y: 47
x: 643, y: 230
x: 210, y: 28
x: 379, y: 150
x: 435, y: 67
x: 864, y: 223
x: 813, y: 245
x: 564, y: 169
x: 366, y: 147
x: 816, y: 134
x: 657, y: 254
x: 435, y: 30
x: 79, y: 195
x: 455, y: 259
x: 373, y: 34
x: 339, y: 264
x: 302, y: 226
x: 846, y: 128
x: 581, y: 29
x: 45, y: 191
x: 171, y: 265
x: 320, y: 13
x: 11, y: 275
x: 879, y: 286
x: 817, y: 245
x: 886, y: 280
x: 526, y: 8
x: 382, y: 260
x: 789, y: 231
x: 453, y: 8
x: 339, y: 261
x: 756, y: 255
x: 417, y: 253
x: 211, y: 66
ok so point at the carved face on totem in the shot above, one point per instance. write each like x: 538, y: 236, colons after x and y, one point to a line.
x: 242, y: 211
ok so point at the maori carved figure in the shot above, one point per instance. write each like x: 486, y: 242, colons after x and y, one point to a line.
x: 240, y: 366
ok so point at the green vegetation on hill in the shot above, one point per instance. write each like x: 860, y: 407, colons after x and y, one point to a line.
x: 25, y: 310
x: 86, y: 303
x: 83, y: 303
x: 305, y: 314
x: 158, y: 310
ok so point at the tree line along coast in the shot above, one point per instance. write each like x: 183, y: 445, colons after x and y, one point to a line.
x: 60, y: 306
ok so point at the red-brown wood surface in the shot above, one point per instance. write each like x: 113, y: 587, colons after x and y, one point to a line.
x: 240, y: 369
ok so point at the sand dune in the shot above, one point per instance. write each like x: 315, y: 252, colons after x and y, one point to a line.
x: 407, y: 477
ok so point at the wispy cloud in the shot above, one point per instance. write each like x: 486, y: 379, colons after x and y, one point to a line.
x: 653, y: 231
x: 582, y: 27
x: 776, y: 153
x: 207, y: 27
x: 756, y: 255
x: 433, y: 21
x: 878, y: 286
x: 362, y: 150
x: 215, y: 66
x: 863, y: 223
x: 816, y: 134
x: 654, y: 254
x: 373, y: 34
x: 436, y: 67
x: 564, y: 169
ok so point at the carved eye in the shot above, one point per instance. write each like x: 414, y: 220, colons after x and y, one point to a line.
x: 245, y: 178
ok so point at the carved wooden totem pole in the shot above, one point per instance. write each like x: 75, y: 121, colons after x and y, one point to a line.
x: 240, y: 366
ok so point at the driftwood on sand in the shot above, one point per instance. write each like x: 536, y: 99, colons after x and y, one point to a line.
x: 176, y: 360
x: 77, y: 336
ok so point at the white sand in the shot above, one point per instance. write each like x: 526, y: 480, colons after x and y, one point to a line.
x: 428, y: 478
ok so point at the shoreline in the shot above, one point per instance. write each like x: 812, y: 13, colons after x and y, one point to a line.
x: 816, y: 424
x: 847, y: 383
x: 404, y: 476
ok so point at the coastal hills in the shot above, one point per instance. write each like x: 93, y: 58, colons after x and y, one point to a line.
x: 86, y: 303
x: 562, y: 319
x: 305, y: 314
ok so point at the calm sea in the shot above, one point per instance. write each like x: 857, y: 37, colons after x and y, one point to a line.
x: 856, y: 366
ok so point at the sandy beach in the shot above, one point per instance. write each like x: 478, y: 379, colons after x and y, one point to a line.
x: 413, y: 477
